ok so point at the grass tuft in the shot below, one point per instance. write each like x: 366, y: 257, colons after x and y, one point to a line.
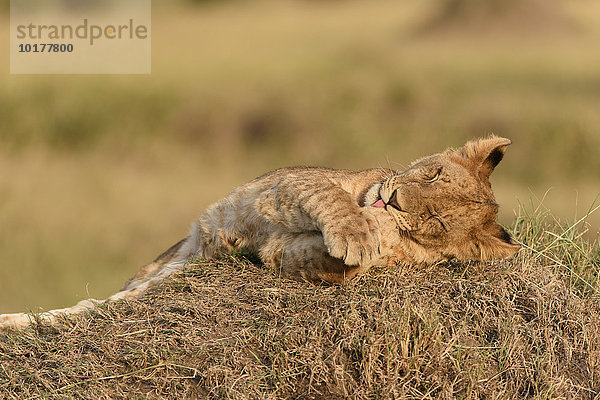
x: 561, y: 246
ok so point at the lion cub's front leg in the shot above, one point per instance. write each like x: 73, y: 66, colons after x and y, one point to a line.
x: 301, y: 204
x: 352, y: 236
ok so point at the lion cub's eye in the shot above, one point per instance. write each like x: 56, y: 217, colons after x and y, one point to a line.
x: 434, y: 177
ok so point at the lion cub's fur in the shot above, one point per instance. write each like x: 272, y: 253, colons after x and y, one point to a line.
x: 329, y: 225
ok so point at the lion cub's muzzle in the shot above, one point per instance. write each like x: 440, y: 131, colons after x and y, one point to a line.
x: 393, y: 206
x: 392, y: 201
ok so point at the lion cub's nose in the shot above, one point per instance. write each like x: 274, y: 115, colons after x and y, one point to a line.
x: 393, y: 201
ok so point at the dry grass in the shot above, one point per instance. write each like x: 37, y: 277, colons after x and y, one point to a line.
x: 524, y: 328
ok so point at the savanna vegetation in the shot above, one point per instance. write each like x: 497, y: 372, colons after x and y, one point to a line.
x: 99, y: 174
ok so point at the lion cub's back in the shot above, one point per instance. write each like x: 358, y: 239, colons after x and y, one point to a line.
x: 354, y: 182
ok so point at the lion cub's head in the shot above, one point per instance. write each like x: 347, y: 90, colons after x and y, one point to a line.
x: 445, y: 206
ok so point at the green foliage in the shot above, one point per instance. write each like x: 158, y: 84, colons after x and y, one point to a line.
x: 565, y: 246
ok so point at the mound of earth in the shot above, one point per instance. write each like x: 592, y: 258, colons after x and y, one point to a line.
x: 231, y: 329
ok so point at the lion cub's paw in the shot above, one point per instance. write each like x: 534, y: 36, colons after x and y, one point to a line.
x: 357, y: 242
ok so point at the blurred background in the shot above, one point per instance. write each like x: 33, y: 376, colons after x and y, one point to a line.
x: 99, y: 174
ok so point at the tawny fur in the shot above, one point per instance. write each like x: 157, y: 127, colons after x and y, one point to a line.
x: 320, y: 224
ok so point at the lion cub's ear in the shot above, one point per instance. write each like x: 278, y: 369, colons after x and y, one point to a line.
x: 484, y: 154
x: 494, y: 242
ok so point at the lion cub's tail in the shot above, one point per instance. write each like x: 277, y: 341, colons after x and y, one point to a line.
x: 206, y: 240
x: 172, y: 260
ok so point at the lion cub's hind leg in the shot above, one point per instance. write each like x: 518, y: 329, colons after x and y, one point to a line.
x: 304, y: 256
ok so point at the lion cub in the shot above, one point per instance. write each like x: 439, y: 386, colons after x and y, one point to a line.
x: 329, y: 225
x: 324, y: 224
